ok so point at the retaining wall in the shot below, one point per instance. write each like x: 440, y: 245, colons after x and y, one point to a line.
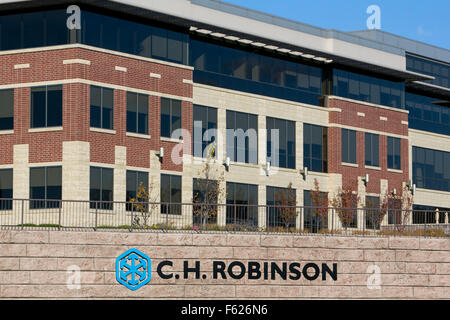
x: 34, y: 264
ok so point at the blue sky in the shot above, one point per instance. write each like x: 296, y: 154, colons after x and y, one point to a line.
x: 427, y: 21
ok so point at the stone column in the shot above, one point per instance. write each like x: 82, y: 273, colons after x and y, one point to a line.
x: 75, y: 170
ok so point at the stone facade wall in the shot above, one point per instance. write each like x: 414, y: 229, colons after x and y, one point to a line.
x: 34, y: 264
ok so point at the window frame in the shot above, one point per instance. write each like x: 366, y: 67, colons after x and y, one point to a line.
x: 392, y: 145
x: 372, y: 148
x: 250, y: 151
x: 47, y: 202
x: 46, y: 107
x: 171, y: 121
x: 173, y: 208
x: 138, y: 108
x: 273, y: 126
x: 204, y: 128
x: 104, y: 204
x: 349, y: 144
x: 102, y: 107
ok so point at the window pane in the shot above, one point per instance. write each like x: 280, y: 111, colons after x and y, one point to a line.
x: 95, y: 184
x: 107, y: 108
x: 132, y: 112
x: 165, y: 118
x: 96, y: 103
x: 54, y: 106
x: 54, y: 182
x: 37, y: 183
x: 143, y: 114
x: 176, y: 115
x: 159, y: 43
x: 38, y: 111
x: 6, y: 109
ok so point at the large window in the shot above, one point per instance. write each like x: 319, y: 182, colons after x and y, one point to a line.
x: 369, y: 89
x: 134, y: 180
x: 235, y: 69
x: 372, y: 152
x: 205, y: 130
x: 48, y: 28
x: 133, y: 38
x: 372, y: 212
x: 170, y: 194
x: 102, y: 106
x: 137, y: 113
x: 170, y: 116
x: 431, y: 169
x: 205, y: 198
x: 45, y: 186
x: 6, y: 189
x: 242, y: 201
x: 281, y: 153
x: 33, y: 29
x: 46, y: 107
x: 315, y: 215
x: 102, y: 188
x: 315, y: 144
x: 348, y: 146
x: 426, y: 115
x: 7, y: 109
x: 439, y: 70
x: 281, y: 207
x: 242, y: 137
x: 394, y: 153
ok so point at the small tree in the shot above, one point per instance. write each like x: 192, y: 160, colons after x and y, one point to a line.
x: 346, y: 202
x: 319, y: 201
x: 144, y: 204
x: 209, y: 188
x: 286, y: 205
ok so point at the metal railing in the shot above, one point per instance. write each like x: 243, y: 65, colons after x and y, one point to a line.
x: 198, y: 217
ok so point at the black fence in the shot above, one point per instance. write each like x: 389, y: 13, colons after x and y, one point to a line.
x: 199, y: 217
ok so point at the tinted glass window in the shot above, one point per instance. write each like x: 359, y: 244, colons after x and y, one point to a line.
x: 6, y: 189
x: 134, y: 180
x: 394, y: 153
x: 46, y: 106
x: 6, y: 109
x: 255, y: 73
x: 137, y: 113
x: 242, y: 201
x: 369, y: 89
x: 101, y: 187
x: 102, y: 107
x: 438, y: 69
x: 45, y: 185
x: 315, y: 218
x: 281, y: 150
x: 426, y: 115
x: 170, y: 116
x: 315, y: 144
x: 281, y: 204
x: 373, y: 217
x: 205, y: 130
x: 170, y: 194
x: 242, y: 137
x: 348, y: 146
x: 372, y: 149
x: 431, y: 169
x: 205, y: 196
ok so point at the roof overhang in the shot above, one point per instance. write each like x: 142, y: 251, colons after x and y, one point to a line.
x: 430, y: 88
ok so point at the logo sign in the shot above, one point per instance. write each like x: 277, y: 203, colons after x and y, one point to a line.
x: 133, y: 269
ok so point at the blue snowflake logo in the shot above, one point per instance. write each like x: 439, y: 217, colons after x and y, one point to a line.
x: 133, y: 269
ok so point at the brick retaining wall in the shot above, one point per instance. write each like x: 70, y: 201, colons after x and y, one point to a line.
x: 34, y: 264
